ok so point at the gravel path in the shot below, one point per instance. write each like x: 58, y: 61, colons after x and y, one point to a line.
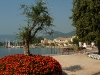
x: 78, y: 64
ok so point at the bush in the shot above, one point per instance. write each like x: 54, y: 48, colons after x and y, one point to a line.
x: 20, y: 64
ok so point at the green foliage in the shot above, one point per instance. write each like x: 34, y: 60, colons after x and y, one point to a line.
x: 2, y: 44
x: 38, y: 20
x: 86, y: 19
x: 75, y: 40
x: 52, y: 44
x: 24, y: 32
x: 37, y: 40
x: 66, y: 43
x: 75, y: 47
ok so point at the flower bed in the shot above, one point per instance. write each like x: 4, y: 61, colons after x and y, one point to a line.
x: 20, y: 64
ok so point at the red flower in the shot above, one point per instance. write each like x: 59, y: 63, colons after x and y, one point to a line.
x: 20, y: 64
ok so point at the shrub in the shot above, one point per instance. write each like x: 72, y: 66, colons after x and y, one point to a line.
x: 20, y: 64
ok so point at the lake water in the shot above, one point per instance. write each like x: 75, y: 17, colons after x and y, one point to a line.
x: 41, y: 51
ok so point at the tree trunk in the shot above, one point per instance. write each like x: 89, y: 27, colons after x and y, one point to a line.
x: 98, y: 46
x: 26, y: 47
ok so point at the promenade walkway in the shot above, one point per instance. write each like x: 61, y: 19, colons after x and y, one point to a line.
x: 78, y: 64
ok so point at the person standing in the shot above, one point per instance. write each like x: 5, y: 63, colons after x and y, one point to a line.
x: 80, y: 44
x: 92, y: 45
x: 84, y: 45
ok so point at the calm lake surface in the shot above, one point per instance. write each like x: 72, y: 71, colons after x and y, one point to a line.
x: 41, y: 51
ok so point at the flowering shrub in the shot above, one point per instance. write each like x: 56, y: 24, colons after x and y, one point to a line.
x: 20, y: 64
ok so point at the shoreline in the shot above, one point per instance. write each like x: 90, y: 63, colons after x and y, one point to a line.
x: 77, y: 63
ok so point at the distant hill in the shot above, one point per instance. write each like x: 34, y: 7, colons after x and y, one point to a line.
x: 4, y: 38
x: 55, y: 35
x: 60, y: 34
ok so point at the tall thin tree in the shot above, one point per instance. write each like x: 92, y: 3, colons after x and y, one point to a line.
x: 39, y: 20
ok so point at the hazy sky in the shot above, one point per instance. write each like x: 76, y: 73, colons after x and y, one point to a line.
x: 11, y: 18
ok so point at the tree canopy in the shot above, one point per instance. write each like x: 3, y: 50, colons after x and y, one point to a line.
x: 86, y: 19
x: 38, y: 19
